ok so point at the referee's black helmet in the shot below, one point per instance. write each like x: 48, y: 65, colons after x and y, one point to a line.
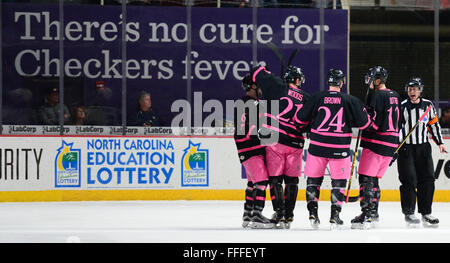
x: 414, y: 82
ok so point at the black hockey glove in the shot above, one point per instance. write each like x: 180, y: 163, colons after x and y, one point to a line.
x: 394, y: 158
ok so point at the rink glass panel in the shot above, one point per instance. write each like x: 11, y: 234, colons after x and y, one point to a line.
x: 397, y: 36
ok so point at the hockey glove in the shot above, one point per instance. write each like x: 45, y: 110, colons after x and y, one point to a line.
x: 394, y: 158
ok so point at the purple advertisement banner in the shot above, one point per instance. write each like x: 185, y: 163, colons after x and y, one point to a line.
x: 156, y: 59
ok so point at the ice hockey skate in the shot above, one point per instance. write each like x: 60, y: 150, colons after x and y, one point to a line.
x: 312, y: 194
x: 258, y: 221
x: 288, y: 218
x: 314, y: 219
x: 412, y: 221
x: 278, y: 220
x: 288, y: 222
x: 430, y: 221
x: 335, y: 221
x: 363, y: 221
x: 246, y: 218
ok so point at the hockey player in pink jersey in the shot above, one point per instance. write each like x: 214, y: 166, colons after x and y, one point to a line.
x: 379, y: 143
x: 283, y: 155
x: 251, y: 155
x: 332, y: 115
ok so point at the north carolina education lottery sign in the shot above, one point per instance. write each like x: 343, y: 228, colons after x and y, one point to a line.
x: 117, y: 163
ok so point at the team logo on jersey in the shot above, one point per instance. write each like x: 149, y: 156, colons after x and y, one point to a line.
x: 195, y: 166
x: 67, y: 166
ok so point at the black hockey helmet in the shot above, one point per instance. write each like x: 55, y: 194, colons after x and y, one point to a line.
x: 377, y: 72
x: 414, y: 82
x: 247, y: 82
x: 334, y: 77
x: 293, y: 73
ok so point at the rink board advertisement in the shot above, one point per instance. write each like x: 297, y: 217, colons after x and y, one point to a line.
x: 53, y: 168
x: 111, y: 163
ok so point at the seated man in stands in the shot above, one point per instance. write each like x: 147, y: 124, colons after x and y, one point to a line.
x: 145, y: 116
x: 49, y: 112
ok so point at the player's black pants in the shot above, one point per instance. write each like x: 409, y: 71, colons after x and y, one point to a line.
x: 416, y: 174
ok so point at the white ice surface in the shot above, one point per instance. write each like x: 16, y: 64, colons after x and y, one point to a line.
x: 197, y: 221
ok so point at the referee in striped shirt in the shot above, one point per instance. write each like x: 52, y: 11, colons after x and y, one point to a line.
x: 415, y: 163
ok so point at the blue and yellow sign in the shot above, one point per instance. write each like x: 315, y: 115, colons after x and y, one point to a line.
x: 195, y: 166
x: 67, y: 166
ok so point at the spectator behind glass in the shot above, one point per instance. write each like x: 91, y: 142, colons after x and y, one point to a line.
x: 78, y: 116
x: 445, y: 118
x: 17, y: 107
x: 103, y: 95
x: 145, y: 116
x: 102, y: 109
x: 49, y: 112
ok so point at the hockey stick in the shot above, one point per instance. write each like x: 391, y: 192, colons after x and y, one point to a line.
x: 280, y: 56
x: 409, y: 134
x: 291, y: 57
x: 278, y: 53
x: 349, y: 198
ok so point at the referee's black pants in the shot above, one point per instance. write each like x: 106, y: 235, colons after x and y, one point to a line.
x: 416, y: 174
